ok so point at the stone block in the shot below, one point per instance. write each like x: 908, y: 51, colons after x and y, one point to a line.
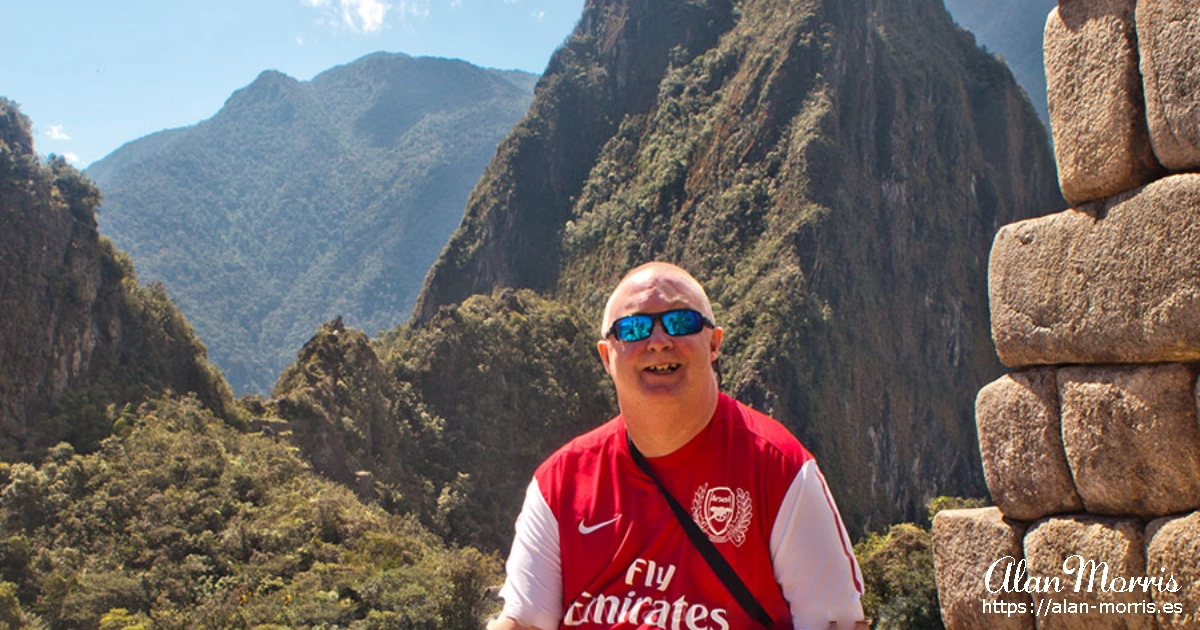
x: 1131, y: 437
x: 1081, y: 566
x: 1094, y: 95
x: 1169, y: 57
x: 1173, y: 554
x: 966, y: 543
x: 1020, y: 444
x: 1114, y: 281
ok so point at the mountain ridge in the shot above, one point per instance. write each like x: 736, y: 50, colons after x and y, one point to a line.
x: 301, y: 201
x: 1015, y: 32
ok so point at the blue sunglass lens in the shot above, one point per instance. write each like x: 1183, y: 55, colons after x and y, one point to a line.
x: 678, y: 323
x: 633, y: 327
x: 675, y: 323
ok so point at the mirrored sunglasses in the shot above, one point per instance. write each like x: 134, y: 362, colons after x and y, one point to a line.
x: 676, y: 323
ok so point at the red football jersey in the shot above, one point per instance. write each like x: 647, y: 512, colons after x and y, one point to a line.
x: 598, y: 546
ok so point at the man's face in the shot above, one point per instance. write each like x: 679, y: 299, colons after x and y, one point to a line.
x: 660, y: 368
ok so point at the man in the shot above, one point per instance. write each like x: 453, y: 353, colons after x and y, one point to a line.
x: 598, y: 544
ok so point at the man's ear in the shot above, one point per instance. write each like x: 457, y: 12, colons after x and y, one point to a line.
x: 602, y: 348
x: 714, y: 343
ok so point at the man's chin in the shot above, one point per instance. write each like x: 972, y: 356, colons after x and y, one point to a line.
x: 663, y: 387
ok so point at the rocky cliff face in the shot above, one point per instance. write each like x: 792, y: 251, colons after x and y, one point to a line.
x: 77, y: 331
x: 610, y: 69
x: 833, y: 171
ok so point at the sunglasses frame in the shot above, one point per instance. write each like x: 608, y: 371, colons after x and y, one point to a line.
x: 659, y: 318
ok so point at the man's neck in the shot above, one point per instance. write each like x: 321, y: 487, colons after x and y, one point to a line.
x: 662, y: 430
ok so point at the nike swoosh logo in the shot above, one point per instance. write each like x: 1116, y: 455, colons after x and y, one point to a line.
x: 587, y: 529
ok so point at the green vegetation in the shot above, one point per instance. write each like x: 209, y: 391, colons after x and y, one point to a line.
x: 355, y: 423
x: 185, y: 522
x: 898, y: 575
x: 299, y: 202
x: 80, y: 336
x: 505, y: 379
x: 133, y: 493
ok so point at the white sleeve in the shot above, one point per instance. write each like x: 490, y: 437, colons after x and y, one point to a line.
x: 533, y: 588
x: 813, y: 558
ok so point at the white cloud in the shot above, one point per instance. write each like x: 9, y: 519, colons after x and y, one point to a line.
x: 365, y: 16
x: 56, y: 133
x: 299, y: 40
x: 368, y: 16
x: 71, y: 157
x: 539, y: 15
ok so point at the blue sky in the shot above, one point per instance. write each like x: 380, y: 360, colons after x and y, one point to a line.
x: 95, y: 75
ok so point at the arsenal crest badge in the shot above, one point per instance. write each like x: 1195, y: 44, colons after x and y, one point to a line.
x: 722, y: 513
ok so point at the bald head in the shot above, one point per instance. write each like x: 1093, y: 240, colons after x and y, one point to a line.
x: 670, y: 281
x: 667, y: 385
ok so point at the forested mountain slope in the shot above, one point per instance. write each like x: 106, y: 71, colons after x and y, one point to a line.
x: 135, y: 493
x: 832, y: 170
x: 302, y: 201
x: 77, y: 332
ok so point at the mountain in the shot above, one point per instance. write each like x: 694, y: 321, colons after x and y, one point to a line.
x: 136, y: 493
x: 301, y: 201
x: 832, y: 170
x: 79, y: 334
x: 1013, y: 30
x: 447, y: 420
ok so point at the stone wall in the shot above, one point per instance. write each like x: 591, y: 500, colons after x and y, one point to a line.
x: 1091, y: 445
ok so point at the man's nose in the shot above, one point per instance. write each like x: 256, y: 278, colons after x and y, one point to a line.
x: 658, y: 338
